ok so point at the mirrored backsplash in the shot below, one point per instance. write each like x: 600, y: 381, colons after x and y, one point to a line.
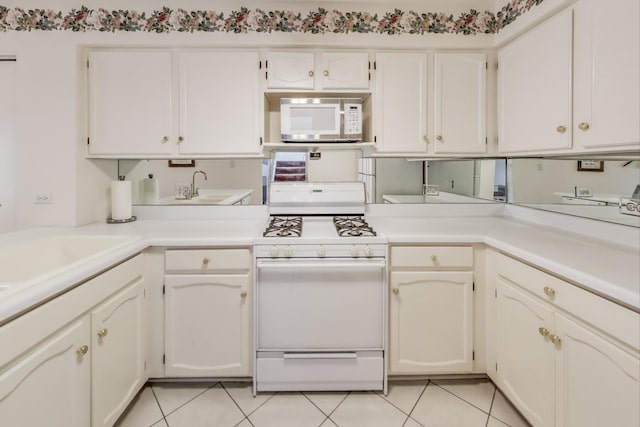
x: 601, y: 189
x: 605, y: 190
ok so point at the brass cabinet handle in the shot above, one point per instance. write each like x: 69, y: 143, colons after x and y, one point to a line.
x: 396, y: 291
x: 326, y: 73
x: 434, y: 258
x: 555, y: 339
x: 561, y: 129
x: 439, y: 138
x: 165, y: 139
x: 180, y: 139
x: 543, y: 331
x: 205, y: 261
x: 81, y: 351
x: 310, y: 73
x: 243, y: 294
x: 103, y: 332
x: 583, y: 126
x: 425, y: 138
x: 550, y: 292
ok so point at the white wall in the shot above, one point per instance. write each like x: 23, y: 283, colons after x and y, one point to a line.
x: 333, y: 166
x: 7, y: 146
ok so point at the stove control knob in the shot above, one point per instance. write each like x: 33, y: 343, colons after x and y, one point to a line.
x: 354, y: 252
x: 288, y: 251
x: 321, y: 251
x: 368, y: 251
x: 275, y: 251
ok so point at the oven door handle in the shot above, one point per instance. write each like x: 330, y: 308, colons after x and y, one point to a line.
x: 342, y: 265
x: 342, y: 355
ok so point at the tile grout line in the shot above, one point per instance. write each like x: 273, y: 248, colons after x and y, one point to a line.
x: 416, y: 404
x: 164, y: 418
x: 246, y: 417
x: 465, y: 401
x: 493, y: 398
x: 261, y: 405
x: 185, y: 403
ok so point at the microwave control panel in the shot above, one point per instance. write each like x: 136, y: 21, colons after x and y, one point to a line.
x: 352, y: 119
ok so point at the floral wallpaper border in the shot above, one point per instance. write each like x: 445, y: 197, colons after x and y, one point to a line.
x: 320, y: 21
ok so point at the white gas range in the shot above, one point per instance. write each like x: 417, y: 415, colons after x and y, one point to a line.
x: 320, y: 306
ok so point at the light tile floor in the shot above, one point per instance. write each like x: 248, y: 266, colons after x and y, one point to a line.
x: 435, y: 403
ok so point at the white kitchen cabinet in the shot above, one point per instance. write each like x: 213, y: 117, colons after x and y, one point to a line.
x: 606, y: 69
x: 219, y: 107
x: 400, y: 104
x: 150, y: 104
x: 50, y: 385
x: 431, y: 311
x: 130, y: 103
x: 534, y: 89
x: 460, y: 103
x: 524, y: 357
x: 321, y: 71
x: 118, y: 356
x: 207, y: 315
x: 562, y: 353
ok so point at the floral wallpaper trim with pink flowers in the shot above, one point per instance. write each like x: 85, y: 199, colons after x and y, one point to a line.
x: 244, y: 20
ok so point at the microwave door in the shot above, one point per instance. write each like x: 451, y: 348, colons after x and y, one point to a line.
x: 309, y: 122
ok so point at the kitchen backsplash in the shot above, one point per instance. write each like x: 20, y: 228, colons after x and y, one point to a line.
x: 245, y: 20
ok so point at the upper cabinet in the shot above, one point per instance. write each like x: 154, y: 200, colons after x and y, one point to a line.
x: 534, y: 89
x: 317, y: 71
x: 460, y: 92
x: 146, y: 104
x: 571, y: 84
x: 606, y: 107
x: 402, y: 105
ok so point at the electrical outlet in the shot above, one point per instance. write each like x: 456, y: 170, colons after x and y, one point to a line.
x: 44, y: 198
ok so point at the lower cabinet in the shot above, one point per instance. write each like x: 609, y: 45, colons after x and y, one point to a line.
x: 565, y: 357
x: 50, y: 385
x: 117, y: 359
x: 430, y: 311
x: 77, y: 360
x: 207, y: 315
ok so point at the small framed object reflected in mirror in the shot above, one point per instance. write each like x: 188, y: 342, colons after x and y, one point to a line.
x: 182, y: 163
x: 583, y: 191
x: 432, y: 190
x: 591, y: 165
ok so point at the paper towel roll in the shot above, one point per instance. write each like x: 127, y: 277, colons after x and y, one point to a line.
x: 150, y: 190
x: 121, y: 200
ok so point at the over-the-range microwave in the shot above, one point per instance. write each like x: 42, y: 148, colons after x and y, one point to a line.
x: 321, y: 119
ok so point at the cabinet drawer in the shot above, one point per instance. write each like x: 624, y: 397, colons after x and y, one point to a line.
x: 607, y: 316
x: 432, y: 257
x: 207, y: 260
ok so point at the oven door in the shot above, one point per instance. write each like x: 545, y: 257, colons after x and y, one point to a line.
x: 320, y: 304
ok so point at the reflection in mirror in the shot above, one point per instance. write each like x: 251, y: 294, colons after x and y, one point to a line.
x: 596, y: 189
x: 219, y: 182
x: 446, y: 181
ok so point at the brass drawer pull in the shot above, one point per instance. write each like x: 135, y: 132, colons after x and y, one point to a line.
x: 550, y: 292
x: 103, y: 332
x: 543, y: 331
x: 81, y: 351
x: 205, y: 261
x: 396, y: 291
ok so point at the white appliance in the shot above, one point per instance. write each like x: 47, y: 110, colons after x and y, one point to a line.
x: 320, y: 305
x: 321, y: 119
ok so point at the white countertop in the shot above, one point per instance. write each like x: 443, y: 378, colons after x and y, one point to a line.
x: 442, y: 197
x: 606, y: 269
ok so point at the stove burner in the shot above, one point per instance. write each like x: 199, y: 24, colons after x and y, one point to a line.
x: 352, y: 226
x: 284, y: 226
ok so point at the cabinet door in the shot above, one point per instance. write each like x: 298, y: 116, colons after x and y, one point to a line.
x: 130, y: 103
x: 460, y: 103
x: 207, y: 325
x: 50, y: 385
x: 118, y: 354
x: 534, y: 89
x: 401, y: 103
x: 597, y: 383
x: 431, y: 322
x: 344, y: 70
x: 525, y: 357
x: 606, y: 70
x: 290, y: 70
x: 219, y: 103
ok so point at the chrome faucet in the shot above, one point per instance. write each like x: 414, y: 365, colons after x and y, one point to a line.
x: 194, y: 189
